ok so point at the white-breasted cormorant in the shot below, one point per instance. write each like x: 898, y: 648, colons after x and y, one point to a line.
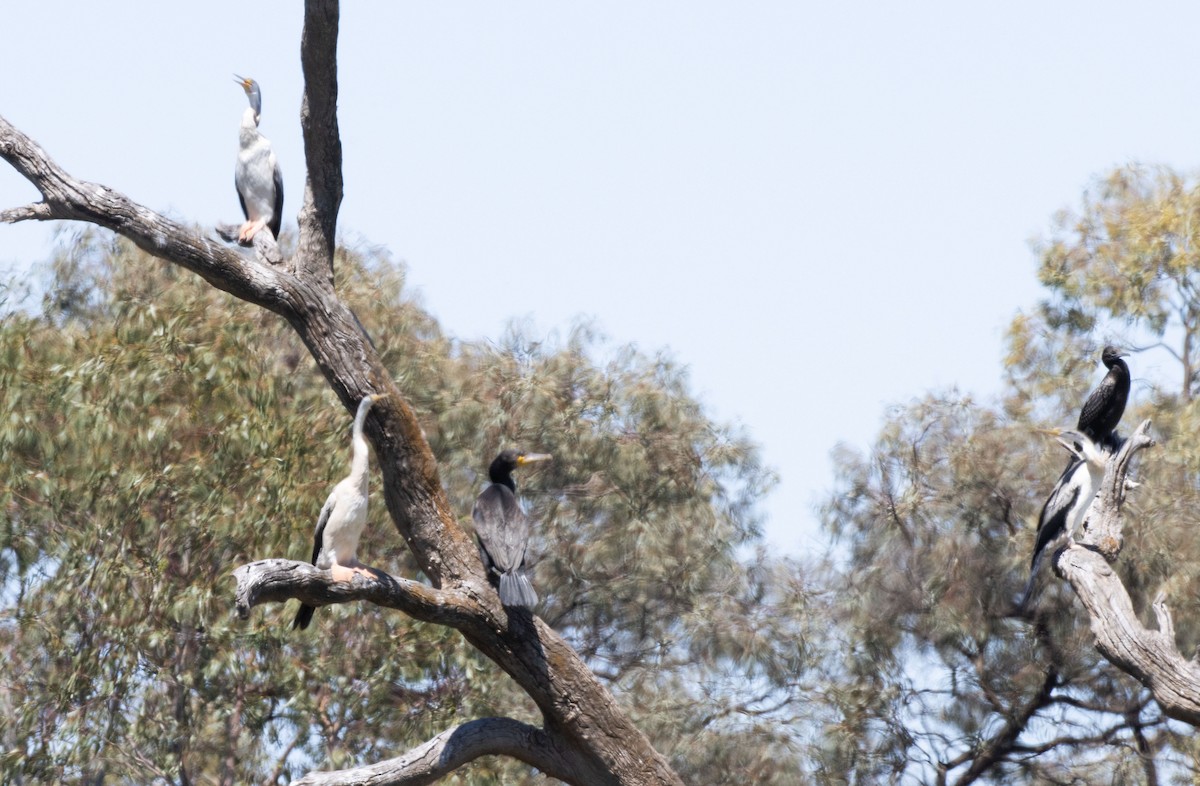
x: 257, y: 176
x: 344, y: 515
x: 503, y: 529
x: 1068, y: 503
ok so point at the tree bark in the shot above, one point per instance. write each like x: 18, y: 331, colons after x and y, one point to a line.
x: 1149, y: 656
x: 452, y: 749
x: 582, y: 720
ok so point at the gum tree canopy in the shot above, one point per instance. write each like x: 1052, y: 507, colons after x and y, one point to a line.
x: 585, y: 737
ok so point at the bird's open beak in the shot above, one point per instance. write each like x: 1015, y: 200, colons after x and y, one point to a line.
x: 531, y: 458
x: 243, y: 81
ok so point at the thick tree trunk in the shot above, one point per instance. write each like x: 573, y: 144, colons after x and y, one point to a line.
x: 592, y: 739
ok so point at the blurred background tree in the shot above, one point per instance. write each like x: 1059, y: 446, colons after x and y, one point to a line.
x: 156, y: 433
x: 937, y: 680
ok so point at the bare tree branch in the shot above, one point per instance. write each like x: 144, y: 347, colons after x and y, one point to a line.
x: 1149, y: 656
x: 452, y: 749
x: 277, y: 580
x: 322, y: 140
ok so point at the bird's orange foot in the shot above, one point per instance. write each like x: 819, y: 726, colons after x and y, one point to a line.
x: 348, y: 572
x: 249, y: 230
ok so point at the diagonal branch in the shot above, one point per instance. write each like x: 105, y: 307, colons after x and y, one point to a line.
x: 277, y: 580
x: 998, y: 749
x: 452, y: 749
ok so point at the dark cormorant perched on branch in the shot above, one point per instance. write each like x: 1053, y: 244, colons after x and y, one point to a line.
x: 503, y: 530
x: 1103, y: 409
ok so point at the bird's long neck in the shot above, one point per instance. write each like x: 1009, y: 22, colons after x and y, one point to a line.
x: 249, y: 130
x: 501, y: 478
x: 360, y: 457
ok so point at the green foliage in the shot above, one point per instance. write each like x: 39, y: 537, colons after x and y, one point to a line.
x: 155, y: 434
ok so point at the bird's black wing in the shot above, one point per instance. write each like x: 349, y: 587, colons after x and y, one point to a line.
x: 305, y: 614
x: 1094, y: 416
x: 1104, y: 407
x: 322, y: 520
x: 501, y: 527
x: 277, y: 220
x: 237, y: 184
x: 1053, y: 519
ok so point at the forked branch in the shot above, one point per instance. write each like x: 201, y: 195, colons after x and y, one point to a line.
x: 1150, y: 656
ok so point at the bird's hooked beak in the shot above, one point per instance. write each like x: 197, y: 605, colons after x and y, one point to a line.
x: 532, y: 458
x: 244, y: 82
x: 1072, y: 441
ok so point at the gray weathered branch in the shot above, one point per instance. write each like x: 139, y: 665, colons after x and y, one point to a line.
x: 1150, y: 656
x: 277, y: 580
x: 452, y: 749
x: 264, y: 244
x: 322, y: 139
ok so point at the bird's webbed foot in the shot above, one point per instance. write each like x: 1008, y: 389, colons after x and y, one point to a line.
x: 249, y: 230
x: 348, y: 571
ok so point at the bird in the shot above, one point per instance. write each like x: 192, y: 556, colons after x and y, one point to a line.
x: 1103, y: 409
x: 1068, y: 503
x: 257, y: 176
x: 503, y: 530
x: 343, y: 516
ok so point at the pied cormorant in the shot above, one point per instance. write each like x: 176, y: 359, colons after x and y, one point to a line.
x: 257, y: 176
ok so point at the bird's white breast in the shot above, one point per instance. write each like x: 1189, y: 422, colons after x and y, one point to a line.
x: 255, y: 175
x: 345, y: 525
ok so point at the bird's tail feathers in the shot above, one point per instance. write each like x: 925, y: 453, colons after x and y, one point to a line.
x: 516, y: 590
x: 303, y: 617
x: 1031, y: 587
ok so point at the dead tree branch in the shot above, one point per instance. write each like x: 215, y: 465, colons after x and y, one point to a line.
x: 452, y: 749
x: 278, y: 580
x: 1149, y: 656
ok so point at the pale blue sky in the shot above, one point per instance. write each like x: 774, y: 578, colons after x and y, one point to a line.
x: 821, y: 208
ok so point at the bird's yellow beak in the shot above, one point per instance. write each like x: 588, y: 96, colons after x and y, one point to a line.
x: 531, y: 458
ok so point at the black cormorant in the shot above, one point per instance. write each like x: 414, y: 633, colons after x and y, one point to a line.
x: 335, y: 543
x: 503, y: 530
x: 257, y: 176
x: 1103, y: 409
